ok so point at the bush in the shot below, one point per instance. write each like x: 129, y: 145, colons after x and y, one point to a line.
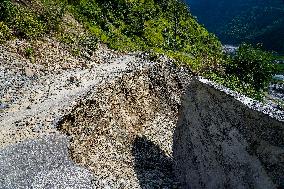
x: 252, y: 66
x: 29, y: 52
x: 97, y: 32
x: 32, y: 22
x: 52, y: 14
x: 5, y: 33
x: 28, y: 25
x: 7, y: 11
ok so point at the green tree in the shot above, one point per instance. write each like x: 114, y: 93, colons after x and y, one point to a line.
x: 253, y: 66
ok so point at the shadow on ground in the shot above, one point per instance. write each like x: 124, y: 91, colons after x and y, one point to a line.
x: 218, y: 143
x: 153, y: 168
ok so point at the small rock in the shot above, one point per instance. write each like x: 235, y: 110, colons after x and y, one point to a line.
x: 3, y: 106
x: 29, y: 72
x: 72, y: 79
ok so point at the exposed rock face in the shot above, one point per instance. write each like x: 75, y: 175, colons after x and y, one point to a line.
x: 133, y: 123
x: 221, y: 143
x: 30, y: 107
x: 124, y: 129
x: 217, y: 141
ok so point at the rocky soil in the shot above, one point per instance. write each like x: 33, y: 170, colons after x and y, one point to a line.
x: 112, y: 119
x: 35, y: 96
x: 109, y: 107
x: 276, y: 90
x: 125, y: 136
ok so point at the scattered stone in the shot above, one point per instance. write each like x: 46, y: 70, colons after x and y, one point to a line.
x: 120, y: 114
x: 29, y: 72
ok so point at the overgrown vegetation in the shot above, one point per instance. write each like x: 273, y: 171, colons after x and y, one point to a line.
x: 249, y: 71
x: 252, y: 65
x: 251, y: 21
x: 31, y: 19
x: 162, y: 26
x: 156, y: 26
x: 5, y: 33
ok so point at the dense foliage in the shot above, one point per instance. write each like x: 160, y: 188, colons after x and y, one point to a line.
x: 31, y: 19
x: 252, y: 21
x: 157, y: 26
x: 164, y: 26
x: 252, y: 67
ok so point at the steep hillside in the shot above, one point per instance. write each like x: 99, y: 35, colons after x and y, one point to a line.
x: 239, y: 21
x: 157, y: 27
x: 130, y: 122
x: 160, y: 26
x: 110, y: 94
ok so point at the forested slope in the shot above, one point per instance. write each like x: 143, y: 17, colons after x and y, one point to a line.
x: 162, y: 26
x: 253, y: 21
x: 155, y: 26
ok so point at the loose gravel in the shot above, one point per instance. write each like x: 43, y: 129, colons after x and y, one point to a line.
x: 118, y: 110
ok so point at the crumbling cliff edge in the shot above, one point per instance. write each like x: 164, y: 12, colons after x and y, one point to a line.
x: 135, y: 123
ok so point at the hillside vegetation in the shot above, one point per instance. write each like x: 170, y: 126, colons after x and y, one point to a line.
x: 155, y: 26
x: 251, y: 21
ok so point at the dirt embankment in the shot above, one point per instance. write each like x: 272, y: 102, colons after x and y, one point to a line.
x: 135, y: 123
x: 124, y: 131
x: 219, y: 142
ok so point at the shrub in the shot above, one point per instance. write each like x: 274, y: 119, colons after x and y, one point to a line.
x: 22, y: 21
x: 32, y: 22
x: 252, y: 66
x: 97, y: 32
x: 7, y: 11
x: 29, y: 52
x: 5, y: 33
x: 52, y: 14
x: 122, y: 43
x: 153, y: 33
x: 68, y: 38
x: 28, y: 25
x: 234, y: 83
